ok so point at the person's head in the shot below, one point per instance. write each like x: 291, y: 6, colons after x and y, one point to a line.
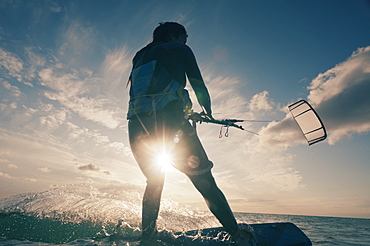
x: 170, y: 32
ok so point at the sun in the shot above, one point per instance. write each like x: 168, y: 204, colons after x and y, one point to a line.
x: 164, y: 160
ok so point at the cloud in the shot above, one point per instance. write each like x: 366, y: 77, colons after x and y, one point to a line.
x: 27, y: 151
x: 24, y: 70
x: 115, y: 71
x: 278, y: 173
x: 5, y: 175
x: 53, y: 118
x: 341, y: 98
x: 261, y: 101
x: 89, y: 167
x: 31, y: 180
x: 35, y: 62
x: 66, y: 84
x: 85, y: 135
x: 53, y: 6
x: 77, y: 39
x: 279, y: 135
x: 10, y: 64
x: 12, y: 166
x: 73, y: 92
x: 44, y: 169
x: 225, y: 94
x: 14, y: 90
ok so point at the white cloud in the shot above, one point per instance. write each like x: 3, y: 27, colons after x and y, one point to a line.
x: 11, y: 64
x: 53, y: 6
x: 23, y: 70
x: 343, y: 76
x: 120, y: 147
x: 20, y: 116
x: 225, y: 95
x: 3, y: 107
x: 67, y: 84
x: 54, y: 119
x: 341, y: 96
x: 116, y: 69
x: 96, y: 110
x: 13, y: 105
x: 84, y: 135
x: 76, y: 40
x: 35, y: 62
x: 31, y: 179
x: 279, y: 135
x: 12, y: 166
x: 44, y: 169
x: 14, y: 90
x: 261, y: 101
x: 5, y: 175
x: 27, y: 151
x: 73, y: 91
x: 95, y: 143
x: 277, y: 173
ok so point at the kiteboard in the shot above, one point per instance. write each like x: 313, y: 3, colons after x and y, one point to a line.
x: 267, y: 234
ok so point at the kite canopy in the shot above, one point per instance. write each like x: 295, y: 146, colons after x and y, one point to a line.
x: 308, y: 121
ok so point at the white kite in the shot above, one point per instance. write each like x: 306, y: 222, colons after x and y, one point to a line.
x: 308, y: 121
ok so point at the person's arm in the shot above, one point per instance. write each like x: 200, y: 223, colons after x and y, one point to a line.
x: 196, y: 82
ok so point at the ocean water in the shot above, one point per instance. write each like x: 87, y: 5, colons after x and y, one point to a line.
x: 110, y: 215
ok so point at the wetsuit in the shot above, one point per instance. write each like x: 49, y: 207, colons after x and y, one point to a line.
x: 157, y: 123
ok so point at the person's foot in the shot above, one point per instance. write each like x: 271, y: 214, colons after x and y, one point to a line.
x: 149, y: 235
x: 245, y: 236
x: 148, y: 240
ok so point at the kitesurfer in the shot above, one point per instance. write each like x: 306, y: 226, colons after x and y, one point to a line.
x: 157, y: 122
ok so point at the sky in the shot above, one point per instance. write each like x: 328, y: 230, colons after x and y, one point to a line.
x: 64, y: 66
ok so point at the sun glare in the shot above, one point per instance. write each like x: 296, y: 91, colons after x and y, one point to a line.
x: 165, y: 161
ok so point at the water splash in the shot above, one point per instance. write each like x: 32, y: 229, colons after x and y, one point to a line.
x: 105, y: 212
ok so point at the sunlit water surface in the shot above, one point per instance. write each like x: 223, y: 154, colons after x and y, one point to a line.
x: 87, y: 215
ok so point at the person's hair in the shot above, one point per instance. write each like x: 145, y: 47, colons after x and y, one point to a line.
x: 168, y: 30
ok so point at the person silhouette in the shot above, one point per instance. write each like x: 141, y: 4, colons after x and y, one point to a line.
x: 156, y: 113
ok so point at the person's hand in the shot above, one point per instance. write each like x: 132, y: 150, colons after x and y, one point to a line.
x: 197, y: 117
x: 210, y: 116
x: 207, y: 115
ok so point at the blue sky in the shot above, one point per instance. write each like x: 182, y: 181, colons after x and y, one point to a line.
x: 64, y: 66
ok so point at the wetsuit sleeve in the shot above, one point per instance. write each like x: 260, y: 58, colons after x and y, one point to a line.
x: 196, y: 81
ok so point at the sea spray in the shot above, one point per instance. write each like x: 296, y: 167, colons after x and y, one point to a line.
x: 69, y: 212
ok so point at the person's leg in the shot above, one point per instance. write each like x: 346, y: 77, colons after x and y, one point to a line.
x: 150, y: 206
x: 202, y: 178
x: 142, y: 148
x: 215, y: 200
x: 194, y: 162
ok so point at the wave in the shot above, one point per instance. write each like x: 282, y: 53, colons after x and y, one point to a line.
x: 110, y: 214
x: 85, y: 212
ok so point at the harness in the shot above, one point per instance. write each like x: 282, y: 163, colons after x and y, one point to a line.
x: 143, y: 80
